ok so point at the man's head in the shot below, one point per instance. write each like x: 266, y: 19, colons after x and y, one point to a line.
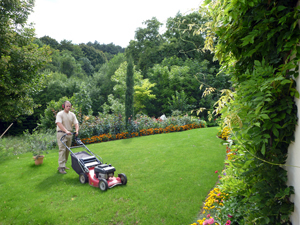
x: 67, y: 106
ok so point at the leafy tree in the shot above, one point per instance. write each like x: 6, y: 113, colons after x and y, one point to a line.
x: 120, y: 81
x: 114, y: 106
x: 95, y: 56
x: 86, y: 65
x: 129, y: 91
x: 50, y: 41
x: 101, y: 84
x: 69, y: 65
x: 179, y: 102
x: 142, y: 95
x: 145, y: 50
x: 111, y: 49
x: 82, y: 103
x: 181, y: 40
x: 20, y: 60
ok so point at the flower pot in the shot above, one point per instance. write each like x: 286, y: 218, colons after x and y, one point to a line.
x: 38, y: 159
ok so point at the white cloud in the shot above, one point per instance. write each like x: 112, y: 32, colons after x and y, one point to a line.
x: 105, y: 21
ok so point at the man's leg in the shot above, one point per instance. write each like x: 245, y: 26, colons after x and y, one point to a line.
x: 69, y: 143
x: 61, y: 153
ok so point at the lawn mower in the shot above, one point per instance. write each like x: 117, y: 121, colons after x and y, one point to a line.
x: 92, y: 170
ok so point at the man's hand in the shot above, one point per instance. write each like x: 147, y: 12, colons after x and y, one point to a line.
x: 69, y: 133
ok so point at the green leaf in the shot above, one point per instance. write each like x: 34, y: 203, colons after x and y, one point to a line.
x: 275, y: 131
x: 281, y: 7
x: 285, y: 82
x: 264, y: 116
x: 257, y: 63
x: 257, y: 124
x: 263, y: 149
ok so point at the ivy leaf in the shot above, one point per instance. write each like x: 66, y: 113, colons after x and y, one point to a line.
x: 280, y: 8
x: 285, y: 82
x: 257, y: 63
x: 263, y: 149
x: 265, y: 116
x: 275, y: 131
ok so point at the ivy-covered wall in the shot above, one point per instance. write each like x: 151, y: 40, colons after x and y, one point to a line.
x: 294, y: 160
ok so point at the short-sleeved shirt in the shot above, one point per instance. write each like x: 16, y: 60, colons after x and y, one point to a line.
x: 67, y: 119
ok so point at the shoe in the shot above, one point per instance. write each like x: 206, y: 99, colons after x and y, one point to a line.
x: 62, y: 171
x: 67, y: 168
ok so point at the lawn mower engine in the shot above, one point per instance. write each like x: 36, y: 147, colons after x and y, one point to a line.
x: 104, y: 171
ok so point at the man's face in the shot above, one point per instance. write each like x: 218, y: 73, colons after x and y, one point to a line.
x: 67, y: 107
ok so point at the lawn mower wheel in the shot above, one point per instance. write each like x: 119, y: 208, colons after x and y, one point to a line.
x: 83, y: 178
x: 103, y: 184
x: 123, y: 178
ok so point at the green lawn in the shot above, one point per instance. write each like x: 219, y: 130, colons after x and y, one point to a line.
x: 169, y: 176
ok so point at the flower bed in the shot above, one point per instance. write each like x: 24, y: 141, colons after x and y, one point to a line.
x: 218, y: 206
x: 143, y: 132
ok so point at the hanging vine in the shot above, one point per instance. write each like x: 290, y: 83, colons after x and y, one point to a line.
x: 256, y: 42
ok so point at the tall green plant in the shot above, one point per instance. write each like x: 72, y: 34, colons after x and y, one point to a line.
x: 256, y: 41
x: 129, y: 91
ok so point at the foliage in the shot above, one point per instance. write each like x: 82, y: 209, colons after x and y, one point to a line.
x: 114, y: 106
x: 47, y: 121
x: 20, y: 60
x: 224, y: 133
x: 257, y: 43
x: 129, y: 91
x: 114, y: 124
x: 179, y: 102
x: 142, y: 95
x: 39, y: 142
x: 213, y: 204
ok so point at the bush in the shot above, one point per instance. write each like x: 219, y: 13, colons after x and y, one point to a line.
x: 115, y: 124
x: 39, y: 142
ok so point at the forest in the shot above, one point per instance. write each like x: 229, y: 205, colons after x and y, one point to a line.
x: 168, y: 69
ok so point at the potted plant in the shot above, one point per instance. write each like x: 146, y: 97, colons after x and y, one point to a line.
x: 38, y: 143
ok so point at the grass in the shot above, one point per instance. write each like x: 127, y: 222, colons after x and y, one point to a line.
x: 169, y: 176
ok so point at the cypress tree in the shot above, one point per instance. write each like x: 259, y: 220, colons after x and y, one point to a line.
x: 129, y: 91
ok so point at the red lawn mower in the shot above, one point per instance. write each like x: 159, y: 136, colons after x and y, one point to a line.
x: 91, y: 168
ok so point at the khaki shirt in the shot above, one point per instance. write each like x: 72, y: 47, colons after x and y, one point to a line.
x: 67, y: 119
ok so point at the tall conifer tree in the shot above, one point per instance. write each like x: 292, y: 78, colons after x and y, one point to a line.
x: 129, y: 90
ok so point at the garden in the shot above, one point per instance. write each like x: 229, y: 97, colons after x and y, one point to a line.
x: 217, y: 157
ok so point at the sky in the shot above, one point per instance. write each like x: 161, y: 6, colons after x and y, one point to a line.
x: 109, y: 21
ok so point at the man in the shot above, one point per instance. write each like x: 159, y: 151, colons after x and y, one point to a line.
x: 65, y: 120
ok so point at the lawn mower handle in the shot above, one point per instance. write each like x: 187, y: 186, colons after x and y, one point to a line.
x: 65, y: 135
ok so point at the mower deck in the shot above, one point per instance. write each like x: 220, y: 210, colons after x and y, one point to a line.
x: 94, y: 181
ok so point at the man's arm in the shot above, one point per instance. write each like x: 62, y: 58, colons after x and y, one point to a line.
x: 77, y: 129
x: 62, y: 127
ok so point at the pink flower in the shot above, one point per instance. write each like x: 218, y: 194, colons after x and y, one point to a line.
x: 210, y: 221
x: 228, y: 222
x: 229, y: 216
x: 219, y: 194
x: 216, y: 171
x: 208, y: 216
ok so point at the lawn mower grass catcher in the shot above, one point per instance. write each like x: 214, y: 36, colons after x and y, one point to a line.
x: 92, y: 170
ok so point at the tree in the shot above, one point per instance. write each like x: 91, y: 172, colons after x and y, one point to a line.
x: 129, y: 91
x: 50, y: 41
x: 145, y: 49
x: 142, y: 95
x: 94, y: 55
x: 20, y: 60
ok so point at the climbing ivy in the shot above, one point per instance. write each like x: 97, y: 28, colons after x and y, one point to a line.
x: 256, y: 42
